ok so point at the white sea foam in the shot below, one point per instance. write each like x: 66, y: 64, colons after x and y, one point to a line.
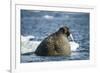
x: 48, y: 17
x: 74, y: 46
x: 26, y: 38
x: 27, y: 45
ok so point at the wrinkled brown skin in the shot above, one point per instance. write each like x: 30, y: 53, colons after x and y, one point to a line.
x: 57, y: 44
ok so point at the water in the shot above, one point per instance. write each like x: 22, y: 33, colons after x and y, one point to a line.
x: 42, y: 23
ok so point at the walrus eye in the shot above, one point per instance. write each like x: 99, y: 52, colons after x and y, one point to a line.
x: 63, y: 30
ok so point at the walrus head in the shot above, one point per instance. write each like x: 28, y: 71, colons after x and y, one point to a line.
x: 64, y: 30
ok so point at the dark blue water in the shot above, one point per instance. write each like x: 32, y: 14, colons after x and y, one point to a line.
x: 42, y: 23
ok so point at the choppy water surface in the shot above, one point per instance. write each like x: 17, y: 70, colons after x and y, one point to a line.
x: 42, y: 23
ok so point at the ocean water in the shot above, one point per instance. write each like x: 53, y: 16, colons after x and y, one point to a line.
x: 39, y: 24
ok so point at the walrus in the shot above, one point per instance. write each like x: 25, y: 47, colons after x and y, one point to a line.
x: 56, y: 44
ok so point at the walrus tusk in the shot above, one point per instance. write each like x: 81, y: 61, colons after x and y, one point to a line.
x: 71, y: 36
